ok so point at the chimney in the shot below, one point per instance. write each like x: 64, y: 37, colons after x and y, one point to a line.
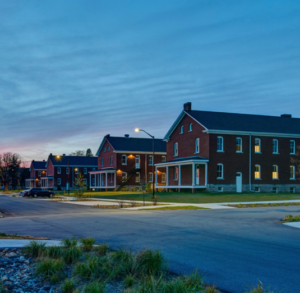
x: 107, y: 135
x: 286, y: 115
x: 187, y: 106
x: 50, y: 155
x: 44, y: 161
x: 127, y: 136
x: 64, y: 155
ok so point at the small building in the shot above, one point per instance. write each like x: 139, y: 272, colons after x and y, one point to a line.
x: 229, y: 152
x: 126, y: 162
x: 37, y: 171
x: 61, y: 170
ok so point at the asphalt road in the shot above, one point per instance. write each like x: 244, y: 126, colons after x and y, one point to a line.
x: 233, y: 248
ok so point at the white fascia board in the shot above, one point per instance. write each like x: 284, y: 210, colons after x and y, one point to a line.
x: 197, y: 121
x: 135, y: 152
x: 101, y: 145
x: 77, y: 166
x: 105, y: 171
x: 188, y: 162
x: 232, y: 132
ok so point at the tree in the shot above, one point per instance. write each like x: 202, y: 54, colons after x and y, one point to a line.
x: 89, y: 153
x: 78, y: 153
x: 296, y: 162
x: 80, y: 186
x: 9, y: 169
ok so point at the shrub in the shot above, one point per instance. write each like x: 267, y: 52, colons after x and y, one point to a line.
x: 49, y: 267
x: 193, y: 281
x: 88, y: 268
x: 54, y: 279
x: 290, y: 218
x: 211, y: 289
x: 150, y: 262
x: 72, y: 254
x: 102, y: 249
x: 129, y: 280
x: 94, y: 287
x: 260, y: 288
x: 34, y: 248
x: 68, y: 243
x: 68, y: 286
x: 87, y: 243
x: 54, y: 252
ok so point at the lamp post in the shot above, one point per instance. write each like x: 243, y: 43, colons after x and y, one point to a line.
x: 153, y: 189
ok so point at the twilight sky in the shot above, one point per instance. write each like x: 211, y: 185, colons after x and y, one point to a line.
x: 72, y: 71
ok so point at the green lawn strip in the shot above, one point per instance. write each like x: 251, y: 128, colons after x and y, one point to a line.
x: 261, y: 205
x: 177, y: 208
x: 15, y: 236
x: 290, y: 218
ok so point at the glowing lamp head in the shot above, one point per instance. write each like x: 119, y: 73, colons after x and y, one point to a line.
x: 137, y: 130
x: 57, y: 157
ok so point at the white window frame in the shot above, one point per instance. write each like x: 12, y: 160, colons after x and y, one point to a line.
x: 275, y: 147
x: 176, y: 149
x: 222, y: 171
x: 275, y: 174
x: 84, y: 171
x: 124, y: 177
x: 292, y: 189
x: 236, y: 144
x: 58, y: 181
x: 181, y: 129
x: 125, y: 161
x: 163, y: 177
x: 220, y: 189
x: 294, y: 147
x: 257, y: 189
x: 197, y: 145
x: 257, y: 150
x: 163, y: 159
x: 150, y: 176
x: 293, y: 172
x: 137, y: 176
x: 58, y: 170
x: 275, y: 188
x: 150, y: 163
x: 222, y: 144
x: 176, y: 173
x: 111, y: 160
x: 191, y: 127
x: 39, y: 173
x: 257, y: 174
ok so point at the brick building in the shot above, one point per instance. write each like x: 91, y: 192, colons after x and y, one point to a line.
x: 126, y: 162
x: 63, y: 169
x: 37, y: 171
x: 227, y: 152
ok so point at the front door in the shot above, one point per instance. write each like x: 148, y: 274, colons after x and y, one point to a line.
x: 197, y: 175
x: 137, y: 162
x: 239, y: 182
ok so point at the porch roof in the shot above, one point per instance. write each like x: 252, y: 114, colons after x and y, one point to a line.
x: 48, y: 177
x: 104, y: 170
x: 193, y: 159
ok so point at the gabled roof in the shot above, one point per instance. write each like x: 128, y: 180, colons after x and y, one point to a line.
x: 39, y: 165
x: 76, y: 161
x: 222, y: 121
x: 134, y: 144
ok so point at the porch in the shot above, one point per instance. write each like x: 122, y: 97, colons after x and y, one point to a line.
x: 188, y: 173
x: 30, y: 183
x: 103, y: 179
x: 47, y: 182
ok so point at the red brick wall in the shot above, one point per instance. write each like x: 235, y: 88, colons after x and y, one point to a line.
x: 186, y: 141
x: 50, y: 168
x: 106, y: 157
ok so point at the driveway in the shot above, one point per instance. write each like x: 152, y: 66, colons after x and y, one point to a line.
x: 233, y: 247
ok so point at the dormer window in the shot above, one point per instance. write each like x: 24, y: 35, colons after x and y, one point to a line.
x: 191, y: 127
x: 181, y: 129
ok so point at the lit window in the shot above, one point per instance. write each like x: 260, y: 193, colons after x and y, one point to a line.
x: 275, y: 172
x: 292, y: 172
x: 58, y: 170
x: 163, y: 177
x: 292, y: 147
x: 257, y: 172
x: 163, y: 159
x: 175, y: 149
x: 111, y: 160
x: 39, y: 174
x: 238, y: 145
x: 275, y: 189
x: 137, y: 177
x: 85, y: 171
x: 197, y: 145
x: 150, y: 177
x: 101, y: 162
x: 181, y: 129
x: 220, y: 144
x: 176, y: 173
x: 124, y: 160
x: 191, y: 127
x: 257, y: 145
x: 220, y: 171
x: 150, y: 160
x: 124, y: 176
x: 275, y: 146
x: 292, y: 189
x: 58, y: 181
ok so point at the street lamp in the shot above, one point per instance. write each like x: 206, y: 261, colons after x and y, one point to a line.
x: 138, y: 130
x: 68, y: 183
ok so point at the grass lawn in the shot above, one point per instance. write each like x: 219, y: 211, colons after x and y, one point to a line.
x: 177, y: 208
x: 197, y: 197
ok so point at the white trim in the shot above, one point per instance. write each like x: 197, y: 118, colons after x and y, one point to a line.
x: 237, y: 144
x: 124, y: 164
x: 256, y: 138
x: 259, y: 178
x: 222, y: 150
x: 294, y: 153
x: 277, y: 152
x: 135, y: 152
x: 181, y: 186
x: 187, y: 162
x: 197, y: 145
x: 220, y: 178
x: 196, y: 120
x: 294, y: 172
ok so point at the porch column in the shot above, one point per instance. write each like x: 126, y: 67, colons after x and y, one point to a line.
x: 155, y: 176
x: 193, y: 182
x: 205, y: 174
x: 90, y: 180
x: 106, y: 179
x: 179, y: 177
x: 167, y: 175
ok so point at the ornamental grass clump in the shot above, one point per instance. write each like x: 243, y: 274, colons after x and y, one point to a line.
x: 94, y: 287
x: 49, y: 267
x: 68, y: 286
x: 102, y: 249
x: 72, y: 254
x: 87, y: 243
x: 34, y: 249
x: 54, y: 252
x: 68, y: 243
x: 260, y: 288
x: 89, y: 268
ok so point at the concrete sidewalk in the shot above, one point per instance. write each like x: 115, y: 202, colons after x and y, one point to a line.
x: 18, y: 243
